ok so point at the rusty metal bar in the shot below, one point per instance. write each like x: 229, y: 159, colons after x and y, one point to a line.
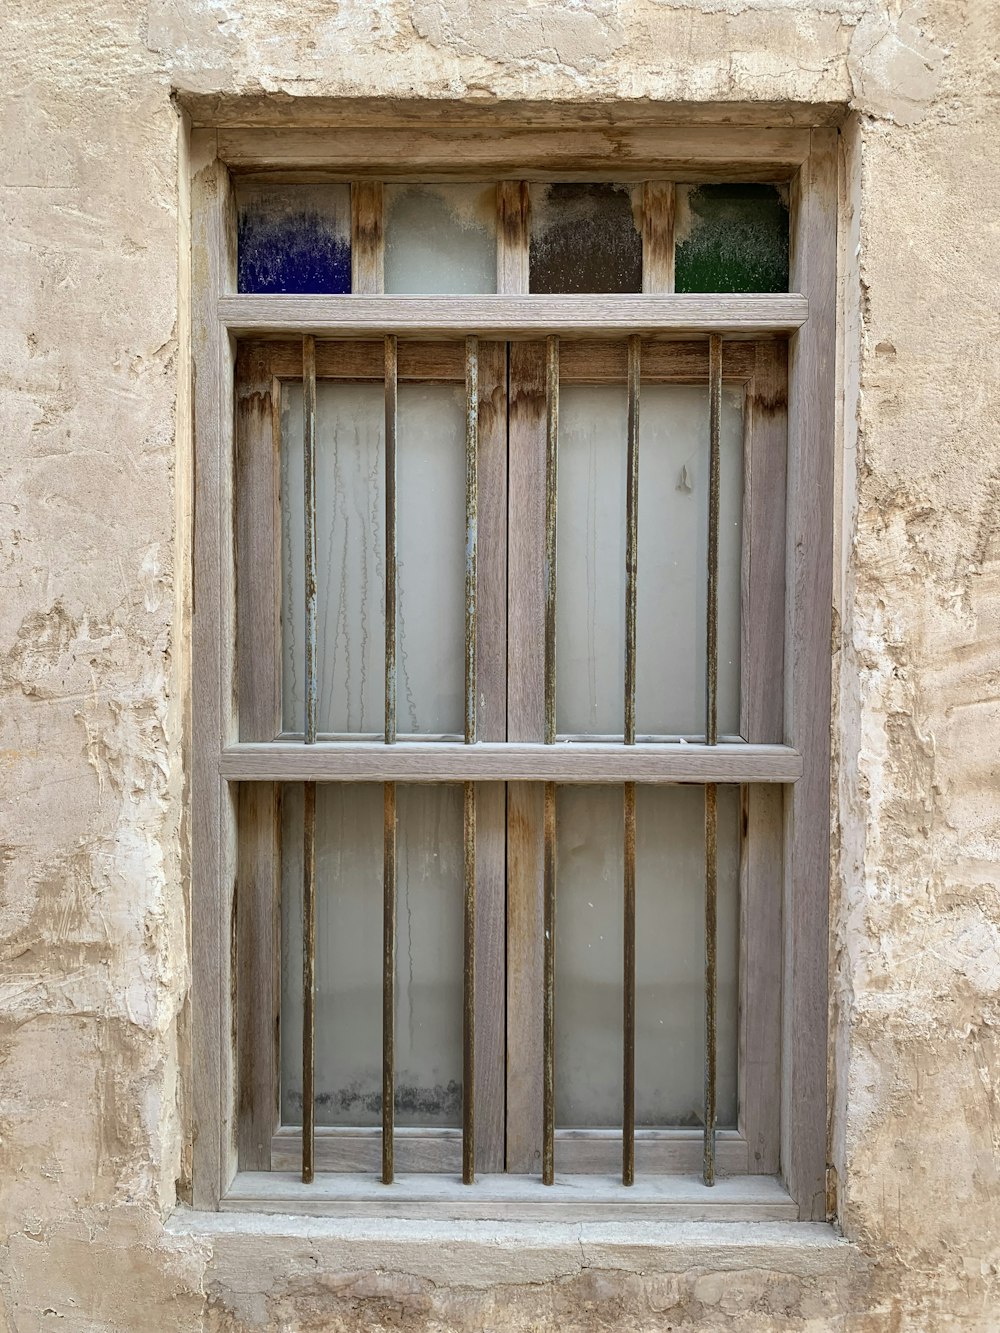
x: 469, y: 993
x: 551, y: 477
x: 471, y: 513
x: 712, y: 617
x: 628, y: 1018
x: 548, y: 1002
x: 631, y: 532
x: 309, y: 982
x: 390, y: 538
x: 711, y: 738
x: 309, y: 518
x: 389, y: 788
x: 309, y: 790
x: 711, y: 885
x: 388, y: 978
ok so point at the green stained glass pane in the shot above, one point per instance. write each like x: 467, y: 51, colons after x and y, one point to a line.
x: 731, y: 238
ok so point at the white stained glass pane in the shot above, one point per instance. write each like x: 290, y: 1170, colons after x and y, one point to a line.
x: 670, y: 956
x: 428, y: 1032
x: 672, y: 564
x: 440, y: 238
x: 350, y: 546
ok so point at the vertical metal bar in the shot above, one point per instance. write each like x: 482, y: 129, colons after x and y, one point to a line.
x: 548, y: 1003
x: 628, y: 1019
x: 308, y: 981
x: 469, y: 942
x: 631, y: 570
x: 469, y: 994
x: 711, y: 737
x: 712, y: 618
x: 388, y: 978
x: 711, y: 835
x: 309, y: 792
x: 390, y: 539
x: 309, y: 519
x: 631, y: 532
x: 389, y: 788
x: 471, y: 511
x: 551, y: 478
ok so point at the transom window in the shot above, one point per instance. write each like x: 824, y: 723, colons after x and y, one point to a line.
x: 510, y: 732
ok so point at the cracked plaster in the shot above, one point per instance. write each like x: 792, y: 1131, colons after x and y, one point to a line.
x: 94, y: 1126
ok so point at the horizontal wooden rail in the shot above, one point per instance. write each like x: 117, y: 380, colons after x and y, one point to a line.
x: 515, y: 316
x: 446, y: 761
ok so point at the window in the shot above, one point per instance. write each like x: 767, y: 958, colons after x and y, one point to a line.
x: 507, y: 689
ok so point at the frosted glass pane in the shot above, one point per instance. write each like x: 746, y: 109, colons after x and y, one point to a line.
x: 731, y: 238
x: 349, y: 955
x: 672, y: 594
x: 584, y: 238
x: 670, y: 956
x: 440, y: 238
x: 294, y: 238
x: 350, y: 542
x: 673, y: 549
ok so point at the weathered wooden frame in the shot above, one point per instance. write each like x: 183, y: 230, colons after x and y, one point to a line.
x: 807, y: 160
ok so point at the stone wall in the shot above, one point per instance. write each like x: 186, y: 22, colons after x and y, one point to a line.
x: 94, y: 550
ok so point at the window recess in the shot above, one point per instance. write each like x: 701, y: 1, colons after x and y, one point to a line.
x: 510, y: 751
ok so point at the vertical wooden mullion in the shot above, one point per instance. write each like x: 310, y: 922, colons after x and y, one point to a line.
x: 525, y: 703
x: 809, y: 598
x: 258, y: 659
x: 762, y: 703
x: 213, y: 720
x: 491, y: 722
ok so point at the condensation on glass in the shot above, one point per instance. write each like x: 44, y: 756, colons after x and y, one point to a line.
x: 293, y: 238
x: 440, y: 238
x: 350, y: 521
x: 585, y: 238
x: 672, y: 553
x: 670, y: 956
x: 731, y: 238
x: 428, y: 1026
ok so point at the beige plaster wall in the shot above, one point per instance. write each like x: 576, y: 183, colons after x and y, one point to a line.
x: 94, y: 527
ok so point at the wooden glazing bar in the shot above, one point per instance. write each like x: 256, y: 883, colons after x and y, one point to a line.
x: 631, y: 533
x: 390, y: 537
x: 367, y: 240
x: 658, y: 203
x: 711, y: 904
x: 308, y: 981
x: 469, y: 993
x: 471, y: 533
x: 454, y: 761
x: 512, y: 317
x: 388, y: 980
x: 309, y: 804
x: 712, y: 616
x: 512, y: 237
x: 628, y: 1017
x: 549, y: 989
x: 551, y: 486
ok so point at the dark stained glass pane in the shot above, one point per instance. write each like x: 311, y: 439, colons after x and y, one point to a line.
x: 584, y: 238
x: 731, y: 238
x: 294, y: 238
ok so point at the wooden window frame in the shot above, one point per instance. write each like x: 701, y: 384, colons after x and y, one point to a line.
x: 790, y: 820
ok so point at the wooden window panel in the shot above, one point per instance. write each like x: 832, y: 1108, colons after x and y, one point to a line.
x: 812, y: 169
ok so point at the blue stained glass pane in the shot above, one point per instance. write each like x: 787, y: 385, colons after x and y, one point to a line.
x: 294, y: 238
